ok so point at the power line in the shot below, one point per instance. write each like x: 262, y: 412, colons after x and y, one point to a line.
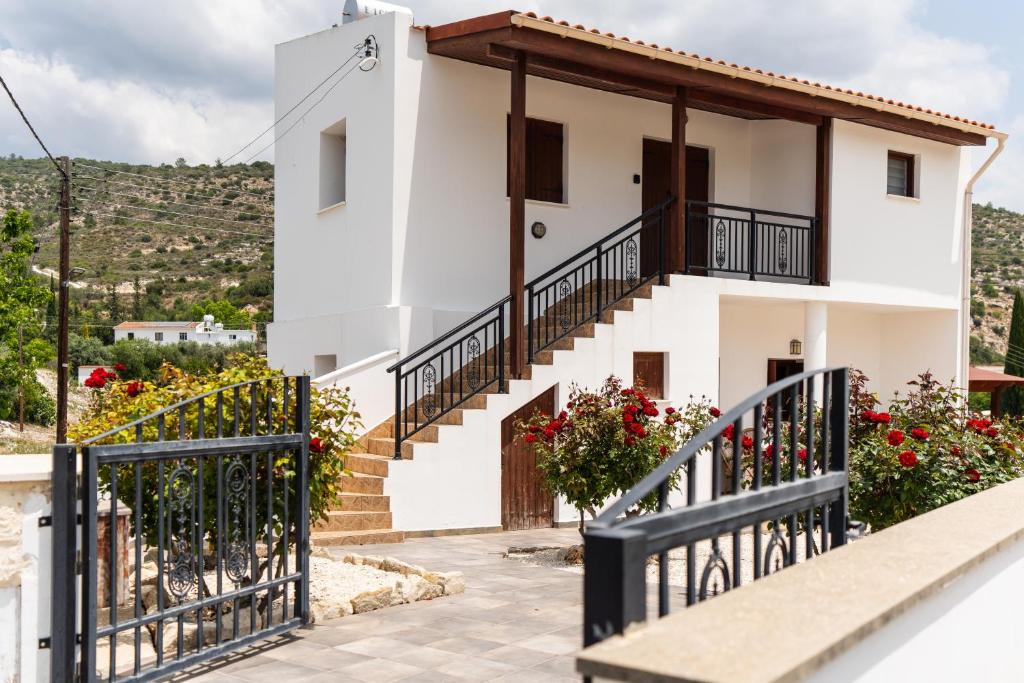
x: 158, y: 180
x: 93, y: 188
x: 31, y: 129
x: 303, y: 115
x: 187, y: 227
x: 174, y: 213
x: 296, y: 105
x: 156, y: 189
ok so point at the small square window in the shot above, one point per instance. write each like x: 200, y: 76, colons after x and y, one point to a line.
x: 158, y: 336
x: 232, y: 337
x: 131, y: 335
x: 900, y: 175
x: 183, y: 336
x: 333, y: 151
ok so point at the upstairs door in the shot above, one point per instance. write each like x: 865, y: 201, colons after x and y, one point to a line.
x: 526, y: 502
x: 657, y: 187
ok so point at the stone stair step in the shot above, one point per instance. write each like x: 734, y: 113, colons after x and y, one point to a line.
x: 351, y: 520
x: 367, y: 463
x: 362, y: 483
x: 362, y: 502
x: 386, y: 447
x: 367, y: 537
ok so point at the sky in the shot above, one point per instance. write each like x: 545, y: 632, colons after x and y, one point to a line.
x: 149, y: 82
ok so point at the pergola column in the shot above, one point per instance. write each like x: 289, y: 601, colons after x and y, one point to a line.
x: 517, y: 212
x: 676, y: 243
x: 822, y: 200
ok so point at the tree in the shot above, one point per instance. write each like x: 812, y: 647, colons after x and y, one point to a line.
x: 113, y: 305
x: 224, y: 312
x: 1013, y: 397
x: 137, y: 312
x: 180, y: 162
x: 22, y: 298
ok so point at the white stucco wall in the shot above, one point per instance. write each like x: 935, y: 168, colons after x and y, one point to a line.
x: 969, y: 631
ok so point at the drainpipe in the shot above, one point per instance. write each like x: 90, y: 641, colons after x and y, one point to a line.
x: 965, y: 288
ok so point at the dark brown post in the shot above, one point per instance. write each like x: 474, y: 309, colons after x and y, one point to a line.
x: 995, y: 409
x: 517, y: 211
x: 822, y: 198
x: 676, y: 242
x: 63, y: 291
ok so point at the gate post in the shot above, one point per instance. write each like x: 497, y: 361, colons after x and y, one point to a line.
x: 64, y: 497
x: 302, y: 472
x: 614, y: 582
x: 840, y: 428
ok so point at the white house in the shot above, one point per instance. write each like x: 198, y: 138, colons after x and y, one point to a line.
x: 460, y: 163
x: 171, y: 332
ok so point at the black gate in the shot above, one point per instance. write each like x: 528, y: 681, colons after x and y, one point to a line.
x: 784, y: 481
x: 193, y: 537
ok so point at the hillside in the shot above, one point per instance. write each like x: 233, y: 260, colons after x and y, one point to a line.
x: 185, y: 234
x: 998, y: 269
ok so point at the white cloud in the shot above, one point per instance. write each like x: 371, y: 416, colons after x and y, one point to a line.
x: 152, y: 81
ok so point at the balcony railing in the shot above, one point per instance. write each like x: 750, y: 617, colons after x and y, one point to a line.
x: 723, y: 239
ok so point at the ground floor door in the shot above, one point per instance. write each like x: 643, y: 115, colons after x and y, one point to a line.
x: 781, y: 368
x: 657, y: 186
x: 525, y: 501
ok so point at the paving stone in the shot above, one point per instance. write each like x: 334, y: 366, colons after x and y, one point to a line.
x: 378, y: 671
x: 475, y: 668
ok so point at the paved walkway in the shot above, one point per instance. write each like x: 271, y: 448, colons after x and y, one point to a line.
x: 515, y: 622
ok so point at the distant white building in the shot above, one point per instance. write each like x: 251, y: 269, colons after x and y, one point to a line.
x: 171, y: 332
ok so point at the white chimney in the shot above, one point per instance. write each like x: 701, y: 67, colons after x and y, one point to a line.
x: 219, y: 327
x: 361, y: 9
x: 207, y: 322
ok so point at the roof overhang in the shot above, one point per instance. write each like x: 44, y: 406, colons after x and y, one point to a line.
x: 983, y: 379
x: 573, y: 54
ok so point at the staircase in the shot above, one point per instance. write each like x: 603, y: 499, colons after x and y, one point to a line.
x: 362, y: 514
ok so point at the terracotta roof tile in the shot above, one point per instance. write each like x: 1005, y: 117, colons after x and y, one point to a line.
x: 706, y: 58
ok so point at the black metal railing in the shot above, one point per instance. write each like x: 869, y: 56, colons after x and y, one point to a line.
x: 779, y: 497
x: 582, y: 286
x: 754, y: 242
x: 194, y: 534
x: 448, y: 371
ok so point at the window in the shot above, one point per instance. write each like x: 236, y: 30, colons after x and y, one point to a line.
x: 158, y: 336
x: 232, y: 337
x: 545, y: 161
x: 649, y: 372
x: 333, y: 148
x: 183, y: 336
x: 131, y: 335
x: 900, y: 175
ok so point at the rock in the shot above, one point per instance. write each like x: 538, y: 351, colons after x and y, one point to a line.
x: 170, y: 636
x: 324, y: 553
x: 411, y: 588
x: 371, y: 600
x: 353, y: 559
x: 571, y: 555
x: 324, y: 609
x: 391, y: 564
x: 149, y: 572
x: 453, y: 583
x: 373, y: 561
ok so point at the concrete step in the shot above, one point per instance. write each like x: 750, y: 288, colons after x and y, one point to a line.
x: 352, y: 520
x: 362, y: 483
x: 361, y: 502
x: 367, y: 463
x: 367, y: 537
x: 386, y: 447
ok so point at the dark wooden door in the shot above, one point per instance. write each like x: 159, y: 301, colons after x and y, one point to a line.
x: 649, y: 372
x: 657, y: 186
x: 781, y: 368
x: 526, y: 502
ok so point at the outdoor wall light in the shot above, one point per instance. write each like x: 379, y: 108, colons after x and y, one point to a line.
x: 538, y: 229
x: 795, y: 347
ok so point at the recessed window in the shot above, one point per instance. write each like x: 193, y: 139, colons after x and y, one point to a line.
x: 131, y: 335
x: 900, y: 175
x: 183, y: 336
x: 232, y: 337
x: 158, y: 336
x: 649, y: 372
x: 545, y: 160
x: 333, y: 144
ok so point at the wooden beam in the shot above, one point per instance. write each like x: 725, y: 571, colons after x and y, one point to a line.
x: 822, y: 200
x: 462, y: 29
x: 995, y: 404
x: 517, y: 211
x: 698, y: 96
x: 676, y: 242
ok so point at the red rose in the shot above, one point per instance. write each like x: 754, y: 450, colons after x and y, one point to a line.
x: 119, y: 367
x: 729, y: 432
x: 802, y: 454
x: 992, y: 432
x: 973, y: 475
x: 316, y: 445
x: 531, y: 438
x: 748, y: 442
x: 95, y: 382
x: 650, y: 411
x: 955, y: 450
x: 630, y: 441
x: 868, y: 415
x: 637, y: 429
x: 768, y: 450
x: 534, y: 429
x: 919, y: 433
x: 562, y: 415
x: 628, y: 392
x: 895, y: 437
x: 549, y: 433
x: 664, y: 451
x: 908, y: 458
x: 627, y: 417
x: 133, y: 389
x: 882, y: 418
x: 715, y: 412
x: 670, y: 410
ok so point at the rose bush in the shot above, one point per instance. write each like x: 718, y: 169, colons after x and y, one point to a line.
x: 606, y: 441
x: 924, y: 451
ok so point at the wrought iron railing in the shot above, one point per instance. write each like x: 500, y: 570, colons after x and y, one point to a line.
x: 213, y: 550
x: 582, y: 286
x: 444, y: 374
x: 782, y: 499
x: 754, y: 242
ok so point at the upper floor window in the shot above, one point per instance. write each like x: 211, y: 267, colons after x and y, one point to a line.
x: 183, y: 336
x: 158, y: 336
x: 333, y: 151
x: 131, y: 335
x: 545, y: 160
x: 900, y: 175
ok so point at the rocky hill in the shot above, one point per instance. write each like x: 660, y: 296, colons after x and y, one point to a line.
x: 998, y: 270
x: 180, y: 233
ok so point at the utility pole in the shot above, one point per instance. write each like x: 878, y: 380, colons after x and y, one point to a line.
x: 21, y: 383
x: 64, y: 276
